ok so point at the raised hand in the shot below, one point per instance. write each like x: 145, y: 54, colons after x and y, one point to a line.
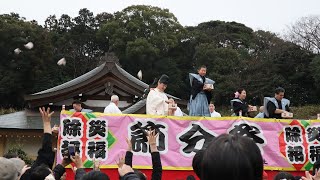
x: 77, y: 160
x: 65, y: 161
x: 45, y: 114
x: 129, y: 148
x: 46, y: 118
x: 96, y: 164
x: 152, y: 140
x: 124, y: 169
x: 121, y: 161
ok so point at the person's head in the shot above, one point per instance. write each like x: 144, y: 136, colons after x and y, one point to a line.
x: 211, y: 107
x: 261, y: 108
x: 115, y: 99
x: 40, y: 172
x: 284, y: 175
x: 232, y: 157
x: 8, y: 170
x: 279, y: 93
x: 202, y: 70
x: 163, y: 82
x: 242, y: 94
x: 95, y: 175
x: 197, y: 161
x: 77, y: 105
x: 18, y: 163
x: 140, y: 174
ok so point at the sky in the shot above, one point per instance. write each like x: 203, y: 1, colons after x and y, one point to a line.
x: 269, y: 15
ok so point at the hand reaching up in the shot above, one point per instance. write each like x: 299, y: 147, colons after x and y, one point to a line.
x: 310, y: 177
x: 96, y: 164
x: 152, y: 139
x: 121, y: 161
x: 77, y: 161
x: 129, y: 148
x: 45, y: 114
x: 124, y: 169
x: 46, y: 118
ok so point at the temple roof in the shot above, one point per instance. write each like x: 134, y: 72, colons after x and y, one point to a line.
x: 107, y: 79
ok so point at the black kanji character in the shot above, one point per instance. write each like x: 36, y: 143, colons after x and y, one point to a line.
x: 295, y: 154
x: 97, y: 149
x: 191, y: 138
x: 313, y: 133
x: 71, y: 127
x: 139, y: 136
x: 248, y: 131
x: 156, y: 127
x: 292, y: 134
x: 97, y: 127
x: 314, y: 153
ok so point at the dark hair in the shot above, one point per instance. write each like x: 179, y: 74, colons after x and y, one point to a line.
x: 95, y: 175
x: 240, y: 90
x: 139, y: 174
x: 297, y: 177
x: 76, y: 102
x: 232, y: 157
x: 284, y: 175
x: 10, y: 155
x: 40, y: 172
x: 190, y: 177
x: 202, y: 66
x: 279, y: 90
x: 196, y: 162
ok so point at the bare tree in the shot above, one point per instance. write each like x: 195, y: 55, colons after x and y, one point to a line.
x: 306, y: 33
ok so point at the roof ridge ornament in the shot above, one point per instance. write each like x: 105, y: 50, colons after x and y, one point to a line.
x: 110, y: 58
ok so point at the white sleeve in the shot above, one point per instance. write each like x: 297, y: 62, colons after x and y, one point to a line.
x: 106, y: 110
x: 153, y: 101
x: 178, y: 112
x: 118, y: 111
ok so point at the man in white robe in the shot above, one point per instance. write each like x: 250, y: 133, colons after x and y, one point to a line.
x: 213, y: 111
x: 157, y: 100
x: 112, y: 108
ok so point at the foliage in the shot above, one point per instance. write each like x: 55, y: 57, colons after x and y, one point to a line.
x: 151, y: 39
x: 305, y: 32
x: 23, y: 155
x: 7, y: 111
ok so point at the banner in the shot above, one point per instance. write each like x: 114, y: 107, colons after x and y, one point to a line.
x: 290, y: 145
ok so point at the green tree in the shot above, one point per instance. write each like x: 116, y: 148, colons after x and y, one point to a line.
x: 20, y: 72
x: 142, y: 37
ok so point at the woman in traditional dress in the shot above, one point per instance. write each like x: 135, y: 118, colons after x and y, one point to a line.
x: 239, y: 106
x: 200, y: 93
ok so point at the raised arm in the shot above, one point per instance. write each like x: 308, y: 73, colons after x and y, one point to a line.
x: 155, y: 155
